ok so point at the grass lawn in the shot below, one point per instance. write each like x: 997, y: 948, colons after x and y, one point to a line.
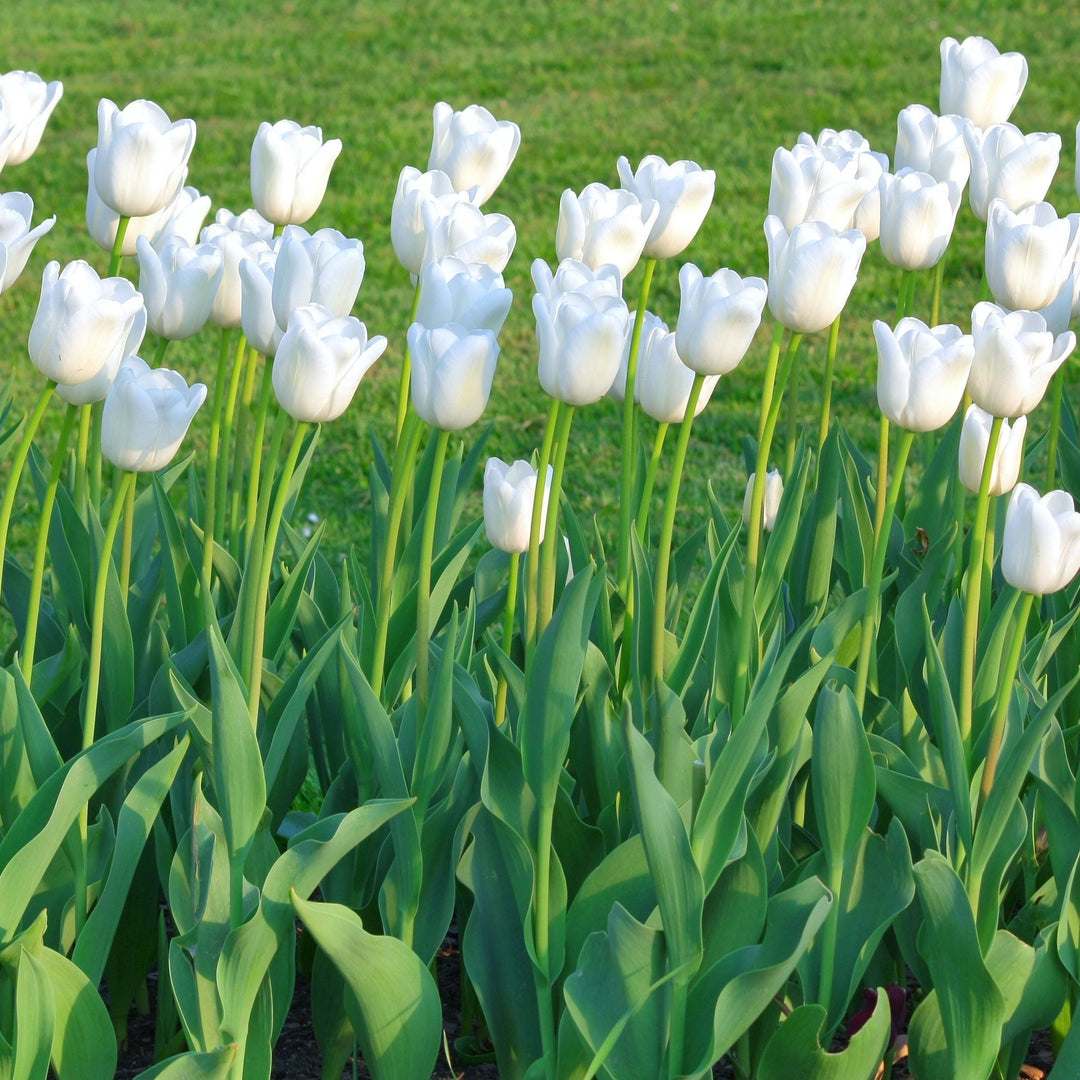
x: 586, y: 80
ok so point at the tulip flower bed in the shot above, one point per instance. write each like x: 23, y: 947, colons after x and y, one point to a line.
x: 720, y: 780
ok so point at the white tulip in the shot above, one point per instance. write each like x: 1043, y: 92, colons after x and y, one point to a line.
x: 978, y: 82
x: 473, y: 148
x: 683, y: 191
x: 1040, y: 548
x: 1008, y: 457
x: 290, y: 168
x: 1007, y: 164
x: 604, y: 225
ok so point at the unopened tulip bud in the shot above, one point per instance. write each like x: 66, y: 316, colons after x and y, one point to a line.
x: 290, y: 168
x: 509, y: 494
x: 774, y: 492
x: 974, y: 441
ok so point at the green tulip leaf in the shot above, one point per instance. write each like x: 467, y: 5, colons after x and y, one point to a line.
x: 35, y: 1020
x: 796, y: 1050
x: 213, y: 1065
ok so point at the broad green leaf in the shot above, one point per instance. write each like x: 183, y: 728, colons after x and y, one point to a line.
x: 393, y: 1001
x: 35, y: 1019
x: 239, y: 780
x: 135, y: 820
x: 1032, y: 982
x: 551, y: 687
x: 214, y: 1065
x: 84, y: 1047
x: 614, y: 1000
x: 796, y: 1051
x: 956, y: 1030
x: 29, y: 846
x: 781, y: 541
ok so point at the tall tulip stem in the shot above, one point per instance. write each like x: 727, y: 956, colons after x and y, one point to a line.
x: 37, y: 577
x: 667, y: 530
x: 629, y: 441
x: 1056, y: 390
x: 772, y: 395
x: 216, y: 418
x: 827, y: 382
x: 17, y: 463
x: 234, y: 449
x: 126, y: 540
x: 116, y: 258
x: 935, y: 303
x: 973, y: 588
x: 549, y: 555
x: 882, y: 472
x: 877, y: 566
x: 423, y: 588
x: 1004, y: 696
x: 532, y: 567
x: 650, y: 480
x: 266, y: 394
x: 406, y: 373
x: 508, y: 634
x: 401, y: 483
x: 266, y: 567
x: 82, y: 450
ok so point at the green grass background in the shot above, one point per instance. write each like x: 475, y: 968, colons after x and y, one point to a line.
x: 720, y: 83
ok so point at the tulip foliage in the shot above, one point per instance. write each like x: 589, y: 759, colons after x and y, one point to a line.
x: 749, y: 788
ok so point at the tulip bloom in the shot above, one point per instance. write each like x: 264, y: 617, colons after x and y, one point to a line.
x: 812, y: 271
x: 26, y: 103
x: 146, y: 416
x: 604, y: 225
x: 682, y: 190
x: 179, y: 286
x: 663, y: 383
x: 1029, y: 254
x: 573, y: 276
x: 509, y: 494
x: 922, y: 372
x: 932, y: 144
x: 17, y: 239
x: 182, y: 217
x: 320, y: 361
x: 978, y: 82
x: 974, y: 441
x: 582, y: 340
x: 463, y: 230
x: 718, y: 317
x: 235, y: 244
x: 256, y: 299
x: 414, y: 190
x: 142, y: 157
x: 1007, y: 164
x: 1015, y: 358
x: 84, y: 324
x: 1040, y: 549
x: 469, y: 294
x: 774, y: 492
x: 807, y: 186
x: 452, y: 372
x: 917, y: 218
x: 290, y: 168
x: 473, y: 148
x: 326, y: 268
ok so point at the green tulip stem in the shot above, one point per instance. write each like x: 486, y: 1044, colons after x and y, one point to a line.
x: 423, y: 587
x: 829, y: 930
x: 93, y: 678
x: 827, y: 383
x: 667, y: 530
x: 882, y: 472
x: 82, y: 475
x: 549, y: 551
x: 1004, y: 696
x: 250, y: 665
x: 542, y: 936
x: 266, y: 397
x: 935, y: 303
x: 772, y: 394
x: 905, y: 294
x: 973, y: 588
x: 266, y: 566
x: 532, y: 566
x: 37, y: 577
x: 629, y: 440
x: 17, y: 463
x: 986, y: 574
x: 95, y: 455
x: 877, y: 566
x: 400, y: 485
x: 650, y: 480
x: 217, y: 416
x: 234, y: 447
x: 791, y: 435
x: 160, y: 350
x: 116, y: 258
x: 508, y: 634
x: 126, y: 542
x: 404, y: 386
x: 1056, y: 390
